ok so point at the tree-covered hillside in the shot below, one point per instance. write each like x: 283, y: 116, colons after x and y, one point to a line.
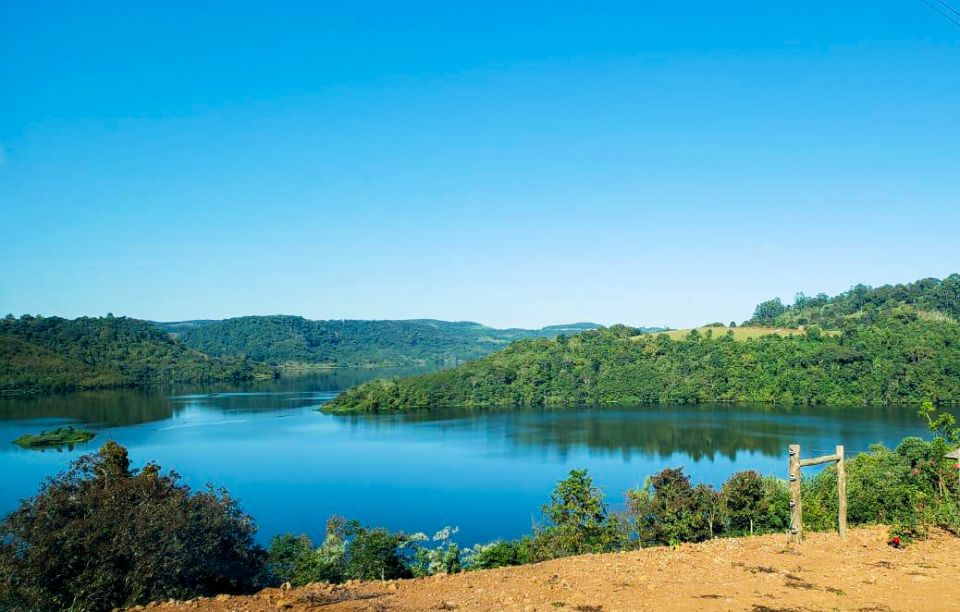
x: 886, y: 354
x: 54, y: 354
x: 295, y: 341
x: 932, y: 295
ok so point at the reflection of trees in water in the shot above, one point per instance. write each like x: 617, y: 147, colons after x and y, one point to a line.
x: 109, y: 408
x: 120, y: 407
x: 702, y: 431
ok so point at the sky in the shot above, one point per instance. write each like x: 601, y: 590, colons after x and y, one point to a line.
x: 512, y: 163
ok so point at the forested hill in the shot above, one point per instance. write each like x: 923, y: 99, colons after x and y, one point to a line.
x: 929, y: 294
x: 295, y: 341
x: 54, y: 354
x: 889, y: 351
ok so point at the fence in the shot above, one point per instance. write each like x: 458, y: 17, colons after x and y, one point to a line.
x: 794, y: 465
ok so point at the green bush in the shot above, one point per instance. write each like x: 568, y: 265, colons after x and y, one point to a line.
x: 755, y: 504
x: 443, y: 558
x: 744, y: 501
x: 668, y: 510
x: 102, y: 535
x: 502, y: 553
x: 375, y: 553
x: 293, y: 558
x: 579, y: 522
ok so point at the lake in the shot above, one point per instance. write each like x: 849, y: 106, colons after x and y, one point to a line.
x: 486, y: 472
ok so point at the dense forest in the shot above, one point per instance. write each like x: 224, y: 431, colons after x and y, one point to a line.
x: 297, y: 342
x: 883, y: 347
x: 929, y: 294
x: 54, y: 354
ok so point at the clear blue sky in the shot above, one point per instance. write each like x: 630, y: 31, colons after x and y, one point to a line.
x: 515, y: 163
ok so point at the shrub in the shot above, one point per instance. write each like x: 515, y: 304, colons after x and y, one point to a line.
x: 579, y: 521
x: 497, y: 554
x: 443, y: 558
x: 102, y: 535
x: 293, y: 558
x: 744, y: 501
x: 667, y: 510
x: 375, y: 554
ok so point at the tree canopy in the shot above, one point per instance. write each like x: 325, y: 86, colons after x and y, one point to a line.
x: 104, y: 535
x: 55, y: 354
x: 891, y: 352
x: 292, y: 341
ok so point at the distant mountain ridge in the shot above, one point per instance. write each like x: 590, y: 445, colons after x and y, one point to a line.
x: 45, y: 354
x: 293, y: 341
x: 55, y: 354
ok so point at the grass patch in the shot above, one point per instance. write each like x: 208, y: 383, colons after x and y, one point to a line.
x: 61, y: 436
x: 746, y: 332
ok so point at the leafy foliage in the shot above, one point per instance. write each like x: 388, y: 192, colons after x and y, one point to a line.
x: 103, y: 535
x: 502, y: 553
x: 292, y: 341
x: 900, y: 356
x: 376, y: 554
x: 911, y: 487
x: 579, y: 521
x: 54, y: 354
x: 668, y: 510
x: 349, y: 551
x: 928, y: 295
x: 61, y: 436
x: 745, y: 501
x: 293, y: 558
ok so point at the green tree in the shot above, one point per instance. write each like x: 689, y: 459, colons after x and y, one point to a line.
x: 293, y: 558
x: 767, y: 312
x: 579, y: 521
x: 668, y: 510
x: 102, y: 535
x: 744, y: 501
x: 375, y: 553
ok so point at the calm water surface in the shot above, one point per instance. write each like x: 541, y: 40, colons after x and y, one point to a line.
x: 486, y: 472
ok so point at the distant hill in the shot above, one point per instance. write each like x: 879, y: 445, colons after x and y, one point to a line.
x: 293, y: 341
x: 55, y: 354
x: 898, y: 344
x: 931, y: 295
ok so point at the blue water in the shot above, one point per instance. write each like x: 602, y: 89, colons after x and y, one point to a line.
x: 485, y: 472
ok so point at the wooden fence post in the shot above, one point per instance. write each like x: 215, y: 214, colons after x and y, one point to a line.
x: 796, y: 509
x: 841, y: 493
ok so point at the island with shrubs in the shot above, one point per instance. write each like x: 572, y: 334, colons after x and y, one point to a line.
x: 55, y: 438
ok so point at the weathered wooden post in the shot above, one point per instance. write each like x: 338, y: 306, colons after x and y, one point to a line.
x: 841, y: 493
x: 796, y: 509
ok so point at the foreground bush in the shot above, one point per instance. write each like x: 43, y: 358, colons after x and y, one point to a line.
x: 579, y: 521
x: 102, y: 535
x: 349, y: 551
x: 910, y: 487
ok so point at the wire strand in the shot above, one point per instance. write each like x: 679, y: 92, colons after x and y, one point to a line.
x: 952, y: 10
x: 946, y: 16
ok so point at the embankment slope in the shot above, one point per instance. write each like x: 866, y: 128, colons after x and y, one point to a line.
x: 763, y: 573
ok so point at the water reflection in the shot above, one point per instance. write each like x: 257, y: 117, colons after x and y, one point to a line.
x: 703, y: 431
x: 122, y: 407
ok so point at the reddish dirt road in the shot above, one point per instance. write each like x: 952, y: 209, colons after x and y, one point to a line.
x: 761, y: 574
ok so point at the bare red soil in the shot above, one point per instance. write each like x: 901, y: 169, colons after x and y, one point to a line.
x: 760, y: 574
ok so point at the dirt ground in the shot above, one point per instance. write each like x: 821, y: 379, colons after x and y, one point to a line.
x: 760, y: 574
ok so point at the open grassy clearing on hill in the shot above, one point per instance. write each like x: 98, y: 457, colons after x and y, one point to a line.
x: 763, y: 573
x: 743, y: 333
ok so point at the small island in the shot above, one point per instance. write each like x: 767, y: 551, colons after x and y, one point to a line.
x: 61, y: 436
